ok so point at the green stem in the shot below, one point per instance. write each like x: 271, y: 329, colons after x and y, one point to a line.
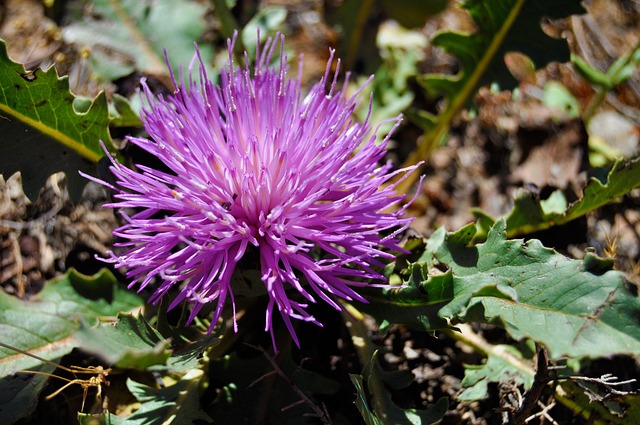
x: 471, y: 339
x: 353, y: 319
x: 563, y: 393
x: 602, y: 92
x: 457, y: 103
x: 594, y: 104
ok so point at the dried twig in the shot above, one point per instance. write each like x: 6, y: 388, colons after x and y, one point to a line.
x: 544, y: 412
x: 540, y: 381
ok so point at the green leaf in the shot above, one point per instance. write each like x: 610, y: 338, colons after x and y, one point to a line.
x: 416, y: 303
x: 400, y: 50
x: 557, y: 96
x: 620, y: 71
x: 190, y: 357
x: 122, y: 113
x: 131, y: 344
x: 46, y: 324
x: 590, y: 74
x: 175, y: 404
x: 502, y: 26
x: 529, y: 214
x: 496, y: 369
x: 269, y: 19
x: 19, y: 393
x: 128, y: 35
x: 624, y: 68
x: 382, y: 410
x: 42, y: 132
x: 576, y: 308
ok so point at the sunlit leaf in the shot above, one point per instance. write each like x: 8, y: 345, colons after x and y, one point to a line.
x: 42, y: 131
x: 577, y: 308
x: 45, y: 326
x: 129, y: 344
x: 529, y: 214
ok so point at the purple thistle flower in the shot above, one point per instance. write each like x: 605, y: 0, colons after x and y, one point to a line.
x: 254, y: 162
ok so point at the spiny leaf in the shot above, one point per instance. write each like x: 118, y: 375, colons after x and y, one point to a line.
x: 577, y: 308
x: 42, y: 132
x: 131, y: 344
x: 503, y: 26
x: 529, y: 214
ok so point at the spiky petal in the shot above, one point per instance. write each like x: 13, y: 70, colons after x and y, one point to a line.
x: 254, y: 162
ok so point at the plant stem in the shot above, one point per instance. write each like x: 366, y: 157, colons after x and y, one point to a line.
x: 594, y: 104
x: 563, y: 393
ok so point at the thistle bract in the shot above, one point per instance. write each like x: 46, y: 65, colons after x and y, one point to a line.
x: 253, y: 162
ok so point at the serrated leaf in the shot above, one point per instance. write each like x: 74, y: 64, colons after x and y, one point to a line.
x: 502, y: 26
x: 129, y: 344
x: 529, y: 214
x: 42, y: 132
x: 128, y: 35
x: 45, y: 325
x: 495, y: 369
x: 382, y: 410
x: 416, y: 303
x: 576, y: 308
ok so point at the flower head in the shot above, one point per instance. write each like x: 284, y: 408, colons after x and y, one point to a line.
x: 255, y: 163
